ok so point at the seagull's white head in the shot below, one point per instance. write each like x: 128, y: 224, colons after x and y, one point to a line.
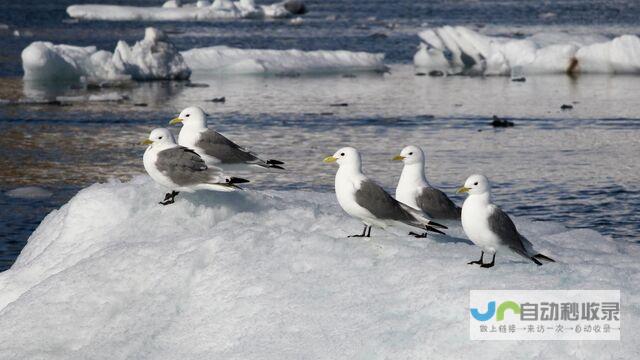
x: 411, y: 155
x: 476, y: 185
x: 160, y: 136
x: 347, y: 156
x: 191, y: 117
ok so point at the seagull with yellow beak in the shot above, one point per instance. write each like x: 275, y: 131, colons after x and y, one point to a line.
x: 489, y: 227
x: 215, y: 149
x: 181, y: 169
x: 367, y: 201
x: 414, y: 190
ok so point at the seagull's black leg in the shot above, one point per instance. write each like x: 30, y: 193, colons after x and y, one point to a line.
x: 169, y: 198
x: 423, y: 235
x: 479, y: 261
x: 493, y: 261
x: 363, y: 232
x: 369, y: 232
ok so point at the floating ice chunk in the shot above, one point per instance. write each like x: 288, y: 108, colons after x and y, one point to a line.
x: 245, y: 275
x: 461, y: 51
x: 174, y: 10
x: 29, y: 192
x: 153, y: 58
x: 227, y: 60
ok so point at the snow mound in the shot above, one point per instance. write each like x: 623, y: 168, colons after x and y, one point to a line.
x: 153, y: 58
x: 176, y: 11
x: 227, y: 60
x: 252, y: 275
x: 462, y: 51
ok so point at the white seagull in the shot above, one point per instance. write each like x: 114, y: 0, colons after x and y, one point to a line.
x: 363, y: 199
x: 181, y: 169
x: 489, y: 227
x: 215, y: 149
x: 414, y: 189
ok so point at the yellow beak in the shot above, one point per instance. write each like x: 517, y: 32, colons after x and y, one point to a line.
x: 175, y: 121
x: 146, y: 142
x: 463, y: 190
x: 398, y: 158
x: 329, y: 159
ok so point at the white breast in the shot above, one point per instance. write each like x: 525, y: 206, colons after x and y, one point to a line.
x: 149, y: 160
x: 475, y: 222
x: 346, y: 187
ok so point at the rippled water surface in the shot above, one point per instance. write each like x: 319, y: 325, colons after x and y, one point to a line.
x: 577, y: 167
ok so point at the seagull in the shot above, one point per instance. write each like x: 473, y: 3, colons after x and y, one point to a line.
x: 414, y: 189
x: 489, y: 227
x: 215, y: 149
x: 181, y: 169
x: 363, y: 199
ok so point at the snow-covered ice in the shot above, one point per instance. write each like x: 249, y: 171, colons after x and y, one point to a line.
x: 174, y: 10
x: 228, y: 60
x: 461, y: 51
x: 156, y: 58
x: 153, y: 58
x: 255, y: 275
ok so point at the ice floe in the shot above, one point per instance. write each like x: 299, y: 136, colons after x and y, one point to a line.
x: 175, y: 10
x: 253, y: 275
x: 227, y: 60
x: 461, y: 51
x: 153, y: 58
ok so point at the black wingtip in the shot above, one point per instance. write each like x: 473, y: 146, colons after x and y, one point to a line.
x: 543, y: 257
x: 274, y: 162
x: 533, y: 258
x: 237, y: 180
x: 435, y: 224
x: 432, y: 229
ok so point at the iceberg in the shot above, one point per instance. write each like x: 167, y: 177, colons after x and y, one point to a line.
x: 227, y: 60
x: 461, y: 51
x: 272, y: 275
x: 153, y: 58
x: 156, y: 58
x: 174, y: 10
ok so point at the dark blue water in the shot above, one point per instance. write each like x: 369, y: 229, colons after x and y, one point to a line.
x: 36, y: 150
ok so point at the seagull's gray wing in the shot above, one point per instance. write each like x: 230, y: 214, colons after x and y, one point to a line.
x: 372, y: 197
x: 501, y: 225
x: 225, y: 150
x: 437, y: 204
x: 378, y: 202
x: 185, y: 167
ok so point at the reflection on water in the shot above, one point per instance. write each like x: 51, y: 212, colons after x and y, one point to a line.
x: 578, y: 167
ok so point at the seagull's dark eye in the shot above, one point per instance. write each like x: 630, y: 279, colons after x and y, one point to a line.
x: 160, y: 137
x: 188, y: 115
x: 475, y: 183
x: 342, y: 154
x: 410, y: 153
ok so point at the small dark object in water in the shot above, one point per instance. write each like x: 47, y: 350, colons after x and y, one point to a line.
x: 378, y: 36
x: 350, y: 76
x: 436, y: 73
x: 326, y: 113
x: 339, y: 104
x: 497, y: 122
x: 218, y: 100
x: 421, y: 74
x: 196, y: 85
x: 519, y: 79
x: 566, y: 107
x: 140, y: 104
x: 57, y: 103
x: 295, y: 7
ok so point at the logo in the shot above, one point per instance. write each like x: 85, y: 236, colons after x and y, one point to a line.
x: 544, y: 314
